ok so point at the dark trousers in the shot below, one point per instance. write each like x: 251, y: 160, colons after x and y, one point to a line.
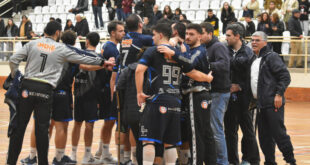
x: 37, y: 97
x: 120, y: 14
x: 135, y: 128
x: 272, y: 131
x: 238, y: 115
x: 83, y: 46
x: 277, y: 47
x: 16, y: 6
x: 205, y: 142
x: 97, y: 10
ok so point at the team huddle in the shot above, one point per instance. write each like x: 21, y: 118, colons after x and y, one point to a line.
x: 168, y: 93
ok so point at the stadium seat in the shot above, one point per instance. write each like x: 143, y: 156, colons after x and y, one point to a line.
x: 214, y: 5
x: 236, y: 4
x: 59, y: 2
x: 55, y: 15
x: 105, y: 16
x: 204, y: 4
x: 53, y: 9
x: 46, y: 18
x: 174, y: 5
x: 163, y: 4
x: 191, y: 15
x: 45, y: 9
x: 184, y: 5
x: 39, y: 18
x: 40, y: 28
x: 71, y: 16
x: 37, y: 9
x: 200, y: 15
x: 194, y: 5
x: 61, y: 9
x: 63, y: 17
x: 32, y: 18
x: 240, y: 14
x: 51, y: 2
x: 286, y: 42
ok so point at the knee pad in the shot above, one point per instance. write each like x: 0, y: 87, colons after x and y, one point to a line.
x: 170, y: 155
x: 148, y: 153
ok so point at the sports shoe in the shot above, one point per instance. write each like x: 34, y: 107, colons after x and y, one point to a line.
x: 108, y: 159
x: 28, y: 161
x: 129, y: 162
x: 67, y: 160
x: 98, y: 155
x: 90, y: 160
x: 245, y: 163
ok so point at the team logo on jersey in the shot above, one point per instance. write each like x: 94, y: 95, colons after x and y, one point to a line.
x: 204, y: 104
x: 162, y: 109
x: 25, y: 93
x: 126, y: 43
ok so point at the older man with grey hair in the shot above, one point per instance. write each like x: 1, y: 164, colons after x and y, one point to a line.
x: 269, y: 80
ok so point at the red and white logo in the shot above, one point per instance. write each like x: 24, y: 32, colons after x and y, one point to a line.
x: 25, y: 94
x: 204, y: 104
x: 162, y: 109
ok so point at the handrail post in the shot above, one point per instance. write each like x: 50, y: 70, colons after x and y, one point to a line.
x: 306, y: 54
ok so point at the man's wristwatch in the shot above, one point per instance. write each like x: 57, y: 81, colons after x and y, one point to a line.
x: 102, y: 62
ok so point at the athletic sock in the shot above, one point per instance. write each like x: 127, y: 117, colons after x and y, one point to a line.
x: 134, y: 155
x: 33, y: 153
x: 148, y: 154
x: 170, y: 156
x: 184, y: 156
x: 87, y: 152
x: 59, y: 154
x: 100, y: 147
x: 105, y: 149
x: 122, y: 154
x: 127, y: 155
x: 73, y: 152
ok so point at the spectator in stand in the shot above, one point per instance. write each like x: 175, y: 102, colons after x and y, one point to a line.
x: 81, y: 28
x: 183, y: 17
x: 16, y: 7
x: 264, y: 24
x: 272, y: 9
x: 277, y: 29
x: 69, y: 25
x: 214, y: 21
x: 111, y: 10
x: 24, y: 28
x: 157, y: 15
x: 147, y: 26
x: 148, y: 8
x: 11, y: 30
x: 227, y: 16
x: 252, y: 8
x: 250, y: 26
x: 168, y: 12
x: 82, y: 5
x: 277, y: 3
x: 186, y: 22
x: 177, y: 14
x: 33, y: 4
x: 97, y: 10
x: 139, y: 7
x: 287, y: 8
x: 2, y: 34
x: 304, y: 6
x: 119, y: 10
x: 294, y: 26
x: 127, y: 8
x: 52, y: 19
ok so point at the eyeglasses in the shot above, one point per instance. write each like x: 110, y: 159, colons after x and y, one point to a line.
x: 255, y: 40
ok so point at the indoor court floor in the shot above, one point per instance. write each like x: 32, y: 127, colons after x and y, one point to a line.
x: 297, y: 120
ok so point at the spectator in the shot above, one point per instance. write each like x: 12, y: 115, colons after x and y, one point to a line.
x: 168, y: 12
x: 139, y: 7
x: 11, y: 30
x: 127, y: 8
x: 148, y: 8
x: 147, y: 26
x: 69, y: 25
x: 186, y: 22
x: 24, y: 28
x: 157, y: 15
x: 227, y: 16
x: 82, y: 5
x: 295, y: 29
x: 214, y: 21
x: 277, y: 29
x: 119, y: 10
x: 81, y: 28
x: 2, y: 34
x: 220, y: 66
x: 250, y: 26
x: 52, y: 19
x: 16, y: 7
x: 111, y: 10
x: 183, y: 17
x: 269, y: 80
x: 304, y: 6
x: 97, y: 10
x: 272, y: 9
x: 177, y: 14
x: 277, y: 3
x: 264, y: 24
x: 287, y: 8
x: 252, y: 8
x: 33, y: 4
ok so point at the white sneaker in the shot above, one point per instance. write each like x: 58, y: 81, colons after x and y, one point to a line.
x: 90, y: 160
x: 108, y: 159
x: 73, y: 157
x: 98, y: 155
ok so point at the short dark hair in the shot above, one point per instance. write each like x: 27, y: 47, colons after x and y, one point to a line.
x: 132, y: 22
x: 180, y: 28
x: 52, y: 27
x: 186, y: 21
x: 210, y: 10
x: 113, y: 25
x: 236, y: 29
x: 207, y: 26
x: 195, y: 26
x: 58, y: 20
x: 93, y: 38
x: 163, y: 28
x: 166, y: 21
x: 68, y: 37
x: 52, y: 19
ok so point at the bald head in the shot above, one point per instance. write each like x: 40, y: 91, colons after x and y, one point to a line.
x: 155, y: 8
x: 78, y: 18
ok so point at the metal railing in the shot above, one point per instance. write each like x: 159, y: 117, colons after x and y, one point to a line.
x: 282, y: 39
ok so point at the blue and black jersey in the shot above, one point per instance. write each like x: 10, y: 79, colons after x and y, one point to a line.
x: 68, y: 73
x: 164, y: 77
x: 131, y: 47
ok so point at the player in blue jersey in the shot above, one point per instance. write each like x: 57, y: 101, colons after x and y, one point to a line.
x: 161, y: 117
x: 106, y: 110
